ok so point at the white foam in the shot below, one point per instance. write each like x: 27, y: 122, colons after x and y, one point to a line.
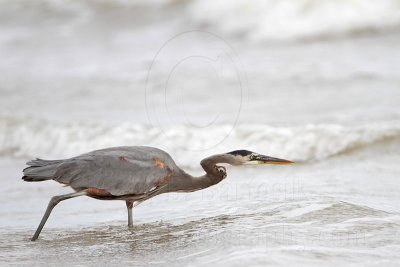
x: 26, y: 137
x: 287, y: 19
x: 255, y: 20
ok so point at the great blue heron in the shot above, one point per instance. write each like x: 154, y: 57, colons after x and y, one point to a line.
x: 133, y: 174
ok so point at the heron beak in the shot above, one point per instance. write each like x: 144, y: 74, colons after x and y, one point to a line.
x: 261, y: 159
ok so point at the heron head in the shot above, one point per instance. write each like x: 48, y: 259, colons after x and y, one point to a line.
x: 246, y: 157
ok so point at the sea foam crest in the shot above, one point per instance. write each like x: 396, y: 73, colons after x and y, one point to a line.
x: 28, y: 138
x: 300, y: 19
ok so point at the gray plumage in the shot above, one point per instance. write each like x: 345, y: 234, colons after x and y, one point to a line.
x: 119, y: 170
x: 133, y: 174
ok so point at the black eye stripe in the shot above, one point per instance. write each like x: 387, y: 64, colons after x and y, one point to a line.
x: 240, y: 152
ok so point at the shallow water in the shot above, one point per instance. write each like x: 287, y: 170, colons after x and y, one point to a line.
x: 335, y: 212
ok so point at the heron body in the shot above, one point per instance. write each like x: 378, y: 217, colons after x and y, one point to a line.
x: 131, y: 173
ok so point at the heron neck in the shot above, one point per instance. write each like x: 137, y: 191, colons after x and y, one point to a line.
x: 188, y: 183
x: 185, y: 182
x: 209, y: 163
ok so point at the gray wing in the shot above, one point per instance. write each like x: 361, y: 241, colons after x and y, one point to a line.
x: 119, y: 171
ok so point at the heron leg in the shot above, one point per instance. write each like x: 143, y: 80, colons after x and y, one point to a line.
x: 129, y: 206
x: 53, y: 202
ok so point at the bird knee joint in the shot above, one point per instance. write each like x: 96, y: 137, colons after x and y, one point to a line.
x: 129, y: 204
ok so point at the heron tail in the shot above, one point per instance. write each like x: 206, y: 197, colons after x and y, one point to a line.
x: 40, y: 170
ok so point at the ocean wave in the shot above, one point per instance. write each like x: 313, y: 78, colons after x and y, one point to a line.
x: 28, y: 137
x: 252, y: 20
x: 335, y: 212
x: 302, y: 19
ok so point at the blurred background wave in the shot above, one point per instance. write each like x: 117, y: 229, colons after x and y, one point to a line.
x: 308, y: 67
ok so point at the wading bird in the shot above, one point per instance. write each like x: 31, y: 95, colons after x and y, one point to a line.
x: 133, y: 174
